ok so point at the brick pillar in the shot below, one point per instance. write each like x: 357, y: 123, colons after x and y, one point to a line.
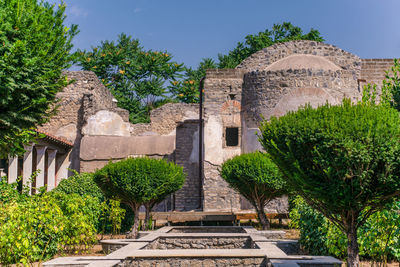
x: 12, y: 169
x: 40, y: 165
x: 51, y: 168
x: 27, y: 167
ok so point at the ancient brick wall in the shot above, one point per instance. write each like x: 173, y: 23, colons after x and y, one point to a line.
x: 187, y: 156
x: 373, y: 71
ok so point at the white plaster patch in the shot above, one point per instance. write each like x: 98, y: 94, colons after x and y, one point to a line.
x: 68, y: 132
x: 105, y: 122
x: 213, y: 141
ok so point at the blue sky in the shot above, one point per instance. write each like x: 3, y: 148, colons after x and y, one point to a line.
x: 192, y: 30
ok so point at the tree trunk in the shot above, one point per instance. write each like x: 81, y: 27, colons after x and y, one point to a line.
x: 134, y: 231
x: 147, y: 216
x: 262, y: 217
x: 352, y: 244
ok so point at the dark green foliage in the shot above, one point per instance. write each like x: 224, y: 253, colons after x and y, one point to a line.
x: 136, y: 181
x: 81, y: 184
x: 280, y: 33
x: 378, y: 237
x: 136, y: 77
x: 34, y: 49
x: 343, y: 160
x: 255, y: 177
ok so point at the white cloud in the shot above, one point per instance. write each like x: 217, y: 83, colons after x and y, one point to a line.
x: 76, y: 11
x: 137, y: 10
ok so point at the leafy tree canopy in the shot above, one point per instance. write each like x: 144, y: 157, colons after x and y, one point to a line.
x: 34, y: 49
x: 255, y: 177
x: 136, y: 77
x: 343, y: 160
x: 136, y: 181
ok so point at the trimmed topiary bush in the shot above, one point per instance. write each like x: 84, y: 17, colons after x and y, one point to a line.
x: 136, y: 181
x: 343, y: 160
x: 256, y: 177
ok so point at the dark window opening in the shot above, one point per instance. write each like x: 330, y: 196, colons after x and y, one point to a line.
x: 232, y: 136
x: 232, y: 96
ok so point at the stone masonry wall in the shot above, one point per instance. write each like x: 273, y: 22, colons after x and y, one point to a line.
x: 166, y: 118
x: 263, y: 90
x: 201, y: 243
x: 261, y: 59
x: 187, y: 156
x: 222, y: 97
x: 195, y: 262
x: 85, y: 95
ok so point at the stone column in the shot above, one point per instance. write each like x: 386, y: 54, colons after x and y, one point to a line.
x: 12, y: 169
x: 27, y: 167
x: 40, y: 165
x: 63, y: 164
x: 51, y: 169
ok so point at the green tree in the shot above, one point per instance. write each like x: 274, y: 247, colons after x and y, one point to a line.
x: 257, y: 178
x: 343, y: 160
x: 137, y: 78
x: 34, y: 49
x: 280, y: 33
x: 187, y: 89
x: 136, y: 181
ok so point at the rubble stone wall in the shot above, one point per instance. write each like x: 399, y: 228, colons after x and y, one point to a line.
x: 201, y: 243
x: 261, y: 59
x: 205, y: 262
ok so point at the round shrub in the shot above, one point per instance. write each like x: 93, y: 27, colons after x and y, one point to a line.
x: 255, y: 177
x: 136, y: 181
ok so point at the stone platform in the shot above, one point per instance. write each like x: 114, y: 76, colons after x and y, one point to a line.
x: 200, y: 246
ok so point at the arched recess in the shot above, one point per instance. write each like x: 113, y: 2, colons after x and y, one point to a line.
x: 299, y: 97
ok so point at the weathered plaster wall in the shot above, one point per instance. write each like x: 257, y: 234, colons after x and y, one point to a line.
x: 83, y: 97
x: 166, y: 118
x: 96, y: 151
x: 187, y: 155
x: 267, y: 94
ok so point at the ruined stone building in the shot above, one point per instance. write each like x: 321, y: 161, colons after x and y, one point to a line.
x: 89, y: 130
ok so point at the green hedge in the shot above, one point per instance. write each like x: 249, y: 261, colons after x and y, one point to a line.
x: 379, y: 237
x: 111, y: 216
x: 35, y: 228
